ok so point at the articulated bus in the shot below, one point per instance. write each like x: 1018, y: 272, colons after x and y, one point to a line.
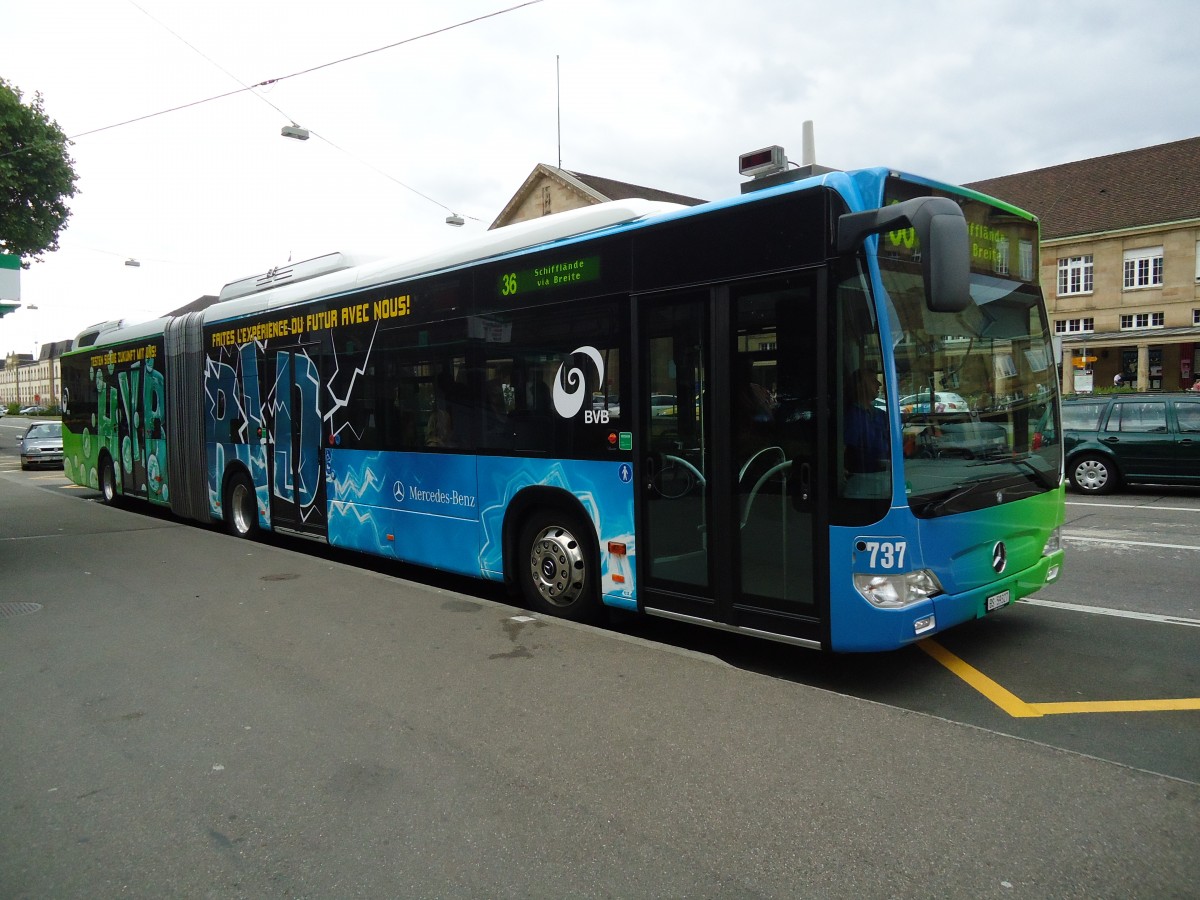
x: 823, y: 412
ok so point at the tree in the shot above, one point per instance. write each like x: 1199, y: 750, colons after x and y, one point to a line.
x: 37, y: 176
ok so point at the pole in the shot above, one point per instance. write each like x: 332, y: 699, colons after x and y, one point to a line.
x: 558, y: 105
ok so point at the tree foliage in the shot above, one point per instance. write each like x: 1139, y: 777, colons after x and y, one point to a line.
x: 37, y: 176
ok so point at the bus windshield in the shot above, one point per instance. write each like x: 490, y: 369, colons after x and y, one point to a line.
x: 974, y: 388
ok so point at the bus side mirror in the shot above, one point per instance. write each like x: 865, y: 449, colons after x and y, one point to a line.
x: 942, y: 235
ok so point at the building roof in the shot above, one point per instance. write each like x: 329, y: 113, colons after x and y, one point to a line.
x: 1137, y: 188
x: 55, y: 349
x: 610, y: 189
x: 591, y: 187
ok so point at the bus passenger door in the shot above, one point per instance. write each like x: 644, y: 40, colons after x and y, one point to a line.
x: 731, y: 438
x: 777, y: 421
x: 296, y: 482
x: 676, y: 455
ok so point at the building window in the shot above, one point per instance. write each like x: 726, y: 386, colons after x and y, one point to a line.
x: 1074, y: 326
x: 1144, y: 268
x: 1001, y: 264
x: 1025, y: 248
x: 1131, y: 321
x: 545, y: 200
x: 1075, y: 275
x: 1196, y: 316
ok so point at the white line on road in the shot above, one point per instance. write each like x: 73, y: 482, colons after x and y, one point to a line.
x: 1095, y: 540
x: 1119, y: 613
x: 1156, y: 508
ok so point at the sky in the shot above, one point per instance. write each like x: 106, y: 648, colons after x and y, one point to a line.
x: 664, y: 93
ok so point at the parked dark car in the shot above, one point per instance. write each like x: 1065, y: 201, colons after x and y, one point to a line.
x: 1114, y: 439
x: 42, y: 445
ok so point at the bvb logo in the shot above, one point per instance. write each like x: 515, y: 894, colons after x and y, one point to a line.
x: 568, y: 399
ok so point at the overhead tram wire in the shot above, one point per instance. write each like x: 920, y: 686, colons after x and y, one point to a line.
x: 208, y: 59
x: 251, y: 88
x: 380, y: 171
x: 307, y: 71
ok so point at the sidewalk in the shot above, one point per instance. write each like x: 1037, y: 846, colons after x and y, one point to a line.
x: 188, y: 715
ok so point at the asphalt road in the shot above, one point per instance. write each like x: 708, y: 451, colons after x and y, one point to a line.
x: 189, y: 715
x: 1090, y: 662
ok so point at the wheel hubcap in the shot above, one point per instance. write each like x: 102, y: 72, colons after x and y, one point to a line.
x: 1092, y: 475
x: 556, y: 563
x: 241, y: 508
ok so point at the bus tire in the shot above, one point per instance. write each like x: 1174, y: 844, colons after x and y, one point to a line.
x: 1092, y: 474
x: 241, y: 507
x: 557, y: 565
x: 108, y: 481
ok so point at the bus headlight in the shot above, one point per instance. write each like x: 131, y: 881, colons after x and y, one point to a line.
x: 1053, y: 543
x: 895, y: 591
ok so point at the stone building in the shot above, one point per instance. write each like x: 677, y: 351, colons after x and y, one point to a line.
x: 26, y: 381
x: 1120, y: 264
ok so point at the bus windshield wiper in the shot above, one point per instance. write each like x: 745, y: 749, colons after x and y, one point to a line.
x: 1020, y: 461
x: 941, y: 498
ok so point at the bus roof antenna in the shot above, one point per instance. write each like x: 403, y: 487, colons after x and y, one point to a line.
x: 808, y: 151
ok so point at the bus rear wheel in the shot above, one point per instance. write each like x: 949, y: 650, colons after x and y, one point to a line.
x: 108, y: 482
x: 241, y: 507
x: 557, y: 566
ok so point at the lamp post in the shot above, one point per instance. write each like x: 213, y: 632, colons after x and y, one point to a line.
x: 31, y: 307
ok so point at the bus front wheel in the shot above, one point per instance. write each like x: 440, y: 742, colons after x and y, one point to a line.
x: 241, y: 507
x: 557, y: 566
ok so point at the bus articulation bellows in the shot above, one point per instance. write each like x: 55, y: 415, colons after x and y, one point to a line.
x: 824, y: 412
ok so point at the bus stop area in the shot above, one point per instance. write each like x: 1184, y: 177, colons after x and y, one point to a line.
x: 185, y: 714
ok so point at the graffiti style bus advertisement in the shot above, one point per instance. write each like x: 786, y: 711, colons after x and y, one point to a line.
x: 114, y: 412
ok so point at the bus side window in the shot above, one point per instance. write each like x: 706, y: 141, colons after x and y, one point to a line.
x: 532, y: 428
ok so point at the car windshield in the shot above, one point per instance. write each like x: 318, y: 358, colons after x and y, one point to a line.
x: 44, y: 430
x: 975, y: 387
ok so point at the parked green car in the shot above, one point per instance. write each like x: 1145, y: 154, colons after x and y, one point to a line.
x: 1115, y: 439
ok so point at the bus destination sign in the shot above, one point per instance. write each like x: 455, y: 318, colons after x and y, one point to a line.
x: 551, y: 275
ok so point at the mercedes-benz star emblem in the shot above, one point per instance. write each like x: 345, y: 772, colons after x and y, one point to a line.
x: 999, y: 557
x: 398, y: 491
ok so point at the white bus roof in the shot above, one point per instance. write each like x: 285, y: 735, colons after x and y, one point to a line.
x: 337, y: 273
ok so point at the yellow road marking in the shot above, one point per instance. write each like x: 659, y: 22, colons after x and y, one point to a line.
x: 1002, y: 697
x: 1099, y: 706
x: 1019, y: 709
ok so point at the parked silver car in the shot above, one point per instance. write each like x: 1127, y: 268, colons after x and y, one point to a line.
x: 42, y: 445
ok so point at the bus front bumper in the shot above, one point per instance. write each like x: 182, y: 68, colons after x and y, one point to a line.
x: 954, y: 609
x: 888, y: 629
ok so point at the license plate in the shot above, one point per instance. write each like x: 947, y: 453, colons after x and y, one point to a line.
x: 998, y: 600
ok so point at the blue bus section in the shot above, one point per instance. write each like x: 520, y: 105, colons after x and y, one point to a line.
x: 448, y: 511
x: 416, y: 507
